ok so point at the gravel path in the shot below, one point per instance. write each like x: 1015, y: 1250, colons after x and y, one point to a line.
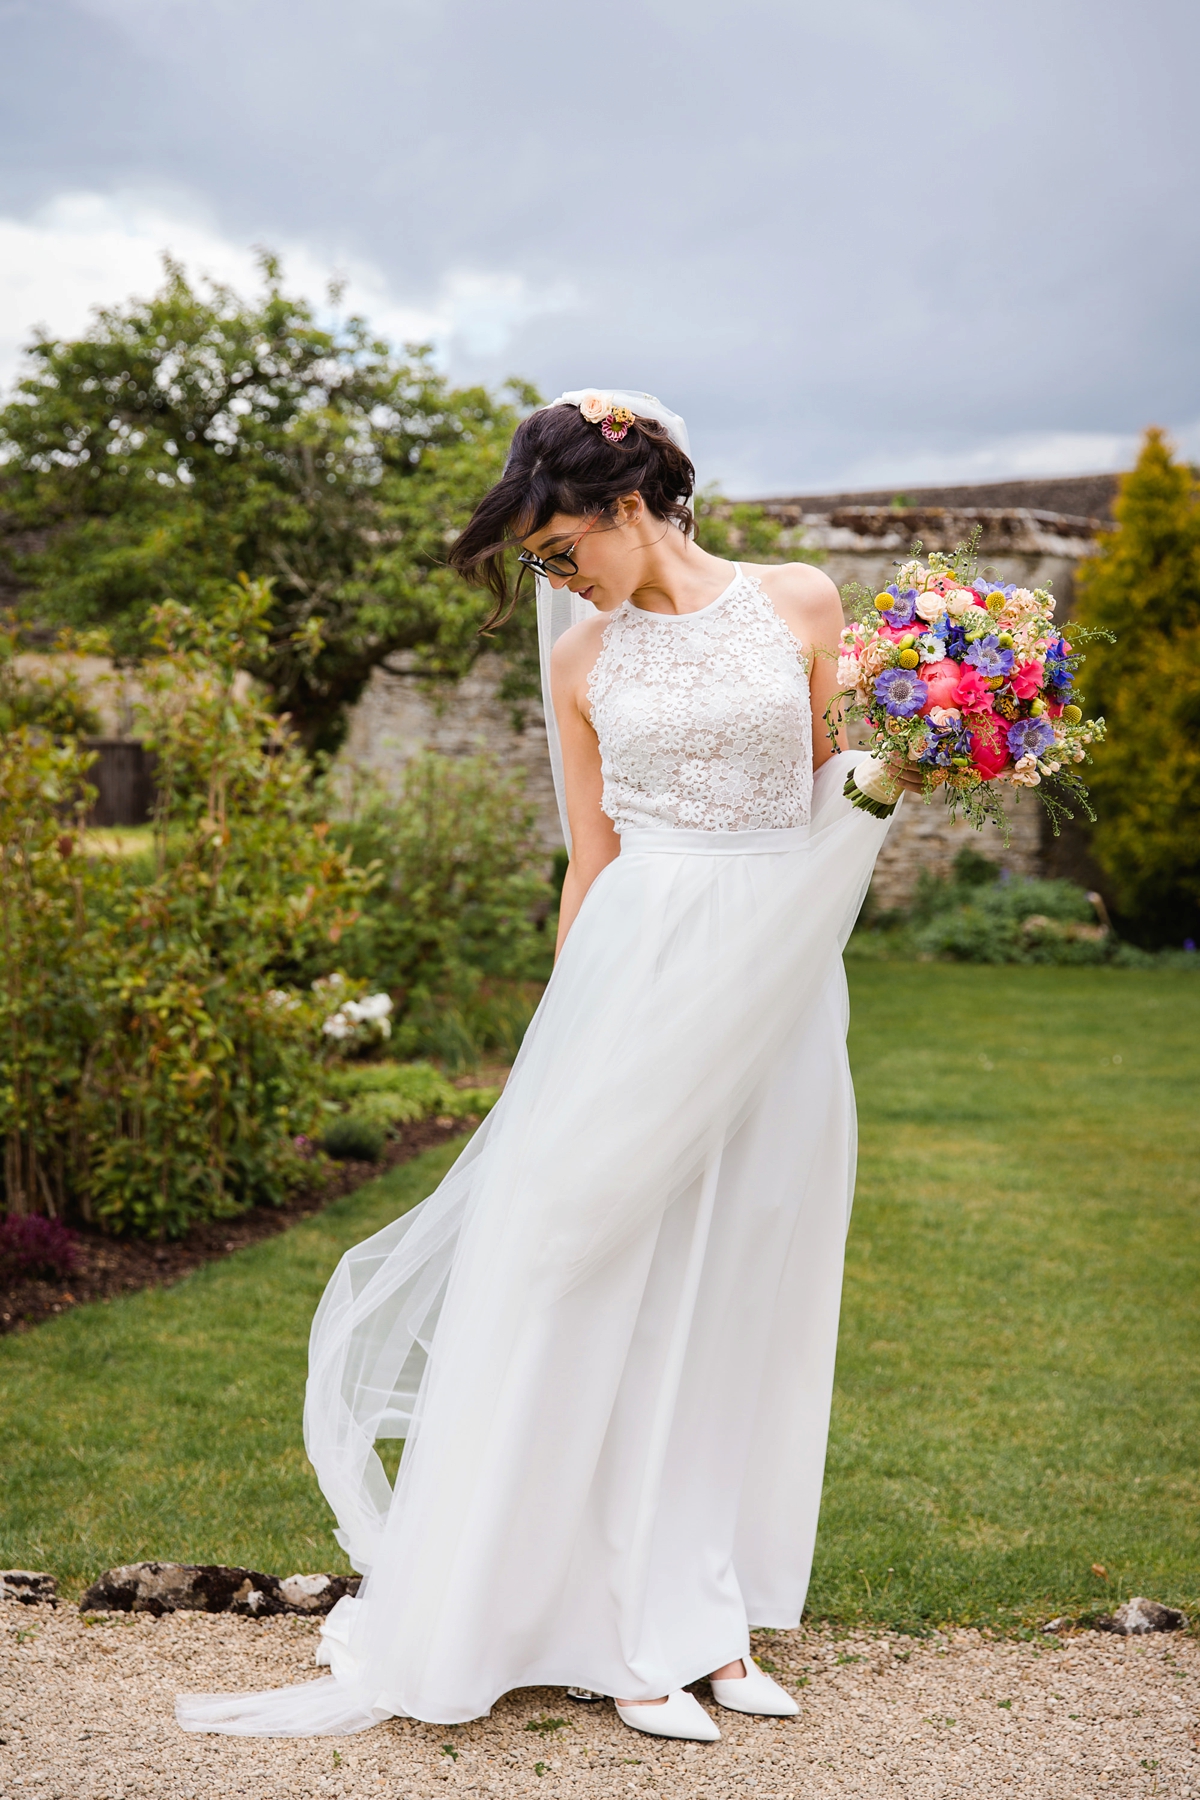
x: 87, y: 1715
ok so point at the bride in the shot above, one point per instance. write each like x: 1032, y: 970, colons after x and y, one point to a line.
x: 607, y: 1339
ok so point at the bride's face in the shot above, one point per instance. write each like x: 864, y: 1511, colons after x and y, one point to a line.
x: 602, y: 548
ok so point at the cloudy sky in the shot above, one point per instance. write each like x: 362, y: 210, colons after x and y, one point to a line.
x: 853, y: 241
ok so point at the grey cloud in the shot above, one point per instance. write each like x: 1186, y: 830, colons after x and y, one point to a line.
x: 816, y: 226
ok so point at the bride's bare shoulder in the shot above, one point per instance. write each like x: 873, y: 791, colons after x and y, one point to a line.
x: 574, y: 653
x: 805, y: 596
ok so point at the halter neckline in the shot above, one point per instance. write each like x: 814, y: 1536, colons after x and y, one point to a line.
x: 682, y: 618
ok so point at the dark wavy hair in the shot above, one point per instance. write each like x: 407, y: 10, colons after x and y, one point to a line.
x: 559, y: 463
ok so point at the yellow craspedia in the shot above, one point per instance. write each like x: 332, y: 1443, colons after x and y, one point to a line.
x: 884, y: 602
x: 1072, y: 714
x: 995, y: 603
x: 909, y: 659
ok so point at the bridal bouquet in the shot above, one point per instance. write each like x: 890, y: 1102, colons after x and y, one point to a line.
x: 969, y: 680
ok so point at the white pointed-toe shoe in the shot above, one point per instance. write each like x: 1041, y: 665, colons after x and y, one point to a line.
x: 680, y: 1716
x: 754, y: 1692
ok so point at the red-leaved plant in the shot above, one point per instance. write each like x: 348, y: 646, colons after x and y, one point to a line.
x: 32, y: 1245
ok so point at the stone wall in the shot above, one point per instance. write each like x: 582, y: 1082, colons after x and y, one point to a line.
x: 397, y: 714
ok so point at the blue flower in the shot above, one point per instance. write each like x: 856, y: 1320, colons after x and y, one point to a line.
x: 944, y: 746
x: 1058, y: 669
x: 1030, y: 737
x: 956, y: 643
x: 902, y: 692
x: 988, y: 656
x: 904, y: 610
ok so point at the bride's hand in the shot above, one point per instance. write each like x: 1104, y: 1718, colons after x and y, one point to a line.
x: 910, y: 776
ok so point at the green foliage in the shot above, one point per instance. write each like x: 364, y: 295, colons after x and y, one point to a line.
x: 156, y: 1055
x: 381, y: 1097
x: 50, y: 699
x: 979, y: 913
x: 1144, y: 586
x: 397, y: 1093
x: 197, y: 435
x: 353, y: 1136
x: 455, y: 926
x: 1018, y: 1382
x: 50, y: 898
x: 740, y: 531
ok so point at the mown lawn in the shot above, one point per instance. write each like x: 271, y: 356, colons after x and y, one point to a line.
x: 1019, y: 1375
x: 1019, y: 1378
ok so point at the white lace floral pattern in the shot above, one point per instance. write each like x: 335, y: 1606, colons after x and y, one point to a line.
x: 704, y: 719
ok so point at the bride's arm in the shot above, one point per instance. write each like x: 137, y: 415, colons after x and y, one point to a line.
x: 811, y: 607
x: 594, y: 843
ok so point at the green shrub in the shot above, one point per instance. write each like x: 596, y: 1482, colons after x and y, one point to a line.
x: 400, y: 1093
x: 157, y: 1054
x: 354, y: 1137
x: 455, y: 925
x: 53, y: 701
x: 1143, y: 586
x: 982, y: 914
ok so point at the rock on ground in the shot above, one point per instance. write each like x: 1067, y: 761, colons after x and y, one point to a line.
x: 87, y: 1714
x: 1139, y: 1616
x: 211, y: 1587
x: 31, y: 1586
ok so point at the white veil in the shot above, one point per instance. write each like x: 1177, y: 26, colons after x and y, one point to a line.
x: 558, y: 608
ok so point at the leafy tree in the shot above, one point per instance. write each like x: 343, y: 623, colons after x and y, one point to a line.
x: 738, y: 529
x: 1144, y: 586
x: 197, y: 436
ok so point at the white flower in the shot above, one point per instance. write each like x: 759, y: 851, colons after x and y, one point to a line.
x: 847, y: 670
x: 595, y: 405
x: 959, y: 602
x: 930, y: 647
x: 372, y: 1007
x: 930, y: 607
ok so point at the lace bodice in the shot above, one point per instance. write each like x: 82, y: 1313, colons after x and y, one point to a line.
x: 704, y: 718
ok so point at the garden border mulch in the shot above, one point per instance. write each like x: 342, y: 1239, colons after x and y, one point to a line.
x: 108, y: 1267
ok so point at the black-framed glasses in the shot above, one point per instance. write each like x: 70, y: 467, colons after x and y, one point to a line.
x: 562, y: 562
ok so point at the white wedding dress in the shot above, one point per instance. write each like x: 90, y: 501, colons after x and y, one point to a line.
x: 608, y: 1337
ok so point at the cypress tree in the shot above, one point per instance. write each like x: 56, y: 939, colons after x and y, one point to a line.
x: 1143, y: 585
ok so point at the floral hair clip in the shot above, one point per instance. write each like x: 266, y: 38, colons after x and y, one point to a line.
x: 598, y: 409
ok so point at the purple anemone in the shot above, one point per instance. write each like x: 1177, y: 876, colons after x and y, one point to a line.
x: 902, y: 692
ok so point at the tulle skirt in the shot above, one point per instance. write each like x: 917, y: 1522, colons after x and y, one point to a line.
x: 608, y: 1337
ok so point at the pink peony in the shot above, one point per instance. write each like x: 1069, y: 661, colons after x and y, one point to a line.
x: 1026, y: 680
x: 989, y: 745
x: 1054, y: 708
x: 941, y: 678
x: 972, y: 693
